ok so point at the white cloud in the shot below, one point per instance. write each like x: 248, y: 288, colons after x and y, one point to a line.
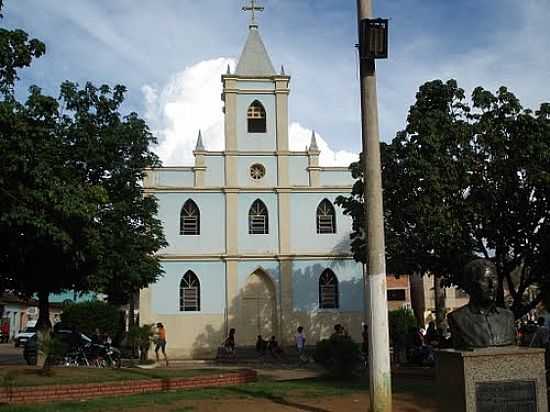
x: 191, y: 101
x: 188, y: 102
x: 300, y: 137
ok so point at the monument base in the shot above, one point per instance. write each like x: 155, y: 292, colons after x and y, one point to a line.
x: 503, y: 379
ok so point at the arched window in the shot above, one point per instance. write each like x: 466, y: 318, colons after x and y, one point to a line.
x: 190, y: 293
x: 258, y: 222
x: 328, y: 290
x: 256, y: 118
x: 326, y: 218
x: 190, y: 219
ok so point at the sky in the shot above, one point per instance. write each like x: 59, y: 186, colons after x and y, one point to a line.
x: 171, y: 53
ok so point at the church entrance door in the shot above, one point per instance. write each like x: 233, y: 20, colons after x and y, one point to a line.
x: 258, y: 309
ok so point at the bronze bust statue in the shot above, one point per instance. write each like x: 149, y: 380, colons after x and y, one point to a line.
x: 481, y: 323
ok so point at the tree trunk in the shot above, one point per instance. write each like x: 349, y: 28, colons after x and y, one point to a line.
x: 439, y: 301
x: 131, y: 311
x: 418, y: 298
x: 43, y: 322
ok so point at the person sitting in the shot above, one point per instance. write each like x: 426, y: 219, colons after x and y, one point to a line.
x: 339, y: 331
x: 432, y: 336
x: 261, y: 346
x: 541, y: 336
x: 274, y: 348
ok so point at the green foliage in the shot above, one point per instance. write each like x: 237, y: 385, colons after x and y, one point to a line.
x: 73, y: 214
x: 89, y: 316
x: 16, y: 52
x: 465, y: 180
x: 51, y: 349
x: 339, y: 355
x: 141, y: 337
x: 400, y: 322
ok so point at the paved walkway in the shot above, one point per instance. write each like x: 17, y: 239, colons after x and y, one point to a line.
x: 277, y: 372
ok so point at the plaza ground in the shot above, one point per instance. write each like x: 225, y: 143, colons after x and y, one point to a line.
x: 310, y: 395
x: 280, y: 388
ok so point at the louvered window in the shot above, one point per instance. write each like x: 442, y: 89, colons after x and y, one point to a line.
x: 326, y: 218
x: 190, y: 293
x: 258, y: 223
x: 328, y: 290
x: 256, y: 118
x: 190, y: 219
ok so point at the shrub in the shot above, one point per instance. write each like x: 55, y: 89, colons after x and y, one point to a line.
x: 339, y: 355
x: 89, y: 316
x: 141, y: 337
x: 400, y: 322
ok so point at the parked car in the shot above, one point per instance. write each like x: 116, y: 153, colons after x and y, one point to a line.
x: 24, y: 335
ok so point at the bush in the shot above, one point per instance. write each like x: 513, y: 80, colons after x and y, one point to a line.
x: 400, y: 322
x: 339, y: 355
x: 141, y: 337
x: 89, y: 316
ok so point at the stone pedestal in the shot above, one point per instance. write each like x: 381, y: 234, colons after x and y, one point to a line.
x: 503, y: 379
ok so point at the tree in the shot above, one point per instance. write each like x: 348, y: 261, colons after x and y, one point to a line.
x: 463, y: 181
x: 72, y: 210
x: 117, y: 152
x: 16, y: 52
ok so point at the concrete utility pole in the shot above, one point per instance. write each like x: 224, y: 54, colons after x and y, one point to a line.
x: 379, y: 347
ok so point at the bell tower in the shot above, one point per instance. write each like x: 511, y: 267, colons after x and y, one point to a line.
x: 255, y: 102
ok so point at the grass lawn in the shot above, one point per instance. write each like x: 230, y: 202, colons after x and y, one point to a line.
x: 30, y: 376
x: 279, y: 393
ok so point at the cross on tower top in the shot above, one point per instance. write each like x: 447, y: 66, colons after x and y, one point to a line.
x: 253, y: 8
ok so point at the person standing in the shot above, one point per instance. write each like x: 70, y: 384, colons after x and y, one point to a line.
x: 300, y: 340
x: 161, y: 342
x: 365, y: 336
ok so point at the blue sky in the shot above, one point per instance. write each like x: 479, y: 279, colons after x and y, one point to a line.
x: 169, y: 53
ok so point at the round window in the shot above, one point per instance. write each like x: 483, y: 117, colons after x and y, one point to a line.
x: 257, y: 171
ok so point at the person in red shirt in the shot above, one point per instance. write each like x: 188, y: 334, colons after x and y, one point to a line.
x: 5, y: 332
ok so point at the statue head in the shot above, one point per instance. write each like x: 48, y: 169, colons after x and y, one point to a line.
x: 480, y: 281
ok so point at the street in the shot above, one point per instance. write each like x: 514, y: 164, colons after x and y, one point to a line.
x: 10, y: 355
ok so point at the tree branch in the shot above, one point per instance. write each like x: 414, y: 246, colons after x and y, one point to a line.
x: 511, y: 286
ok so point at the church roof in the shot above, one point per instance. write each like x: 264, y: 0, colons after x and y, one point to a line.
x: 254, y: 59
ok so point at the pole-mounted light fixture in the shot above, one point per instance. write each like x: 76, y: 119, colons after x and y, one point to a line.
x: 373, y: 39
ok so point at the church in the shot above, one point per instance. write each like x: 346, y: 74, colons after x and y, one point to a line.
x: 256, y: 242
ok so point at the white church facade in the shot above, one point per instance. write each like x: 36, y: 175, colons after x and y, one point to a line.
x: 256, y: 242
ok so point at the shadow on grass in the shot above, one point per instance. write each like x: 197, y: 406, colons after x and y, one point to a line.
x: 279, y: 400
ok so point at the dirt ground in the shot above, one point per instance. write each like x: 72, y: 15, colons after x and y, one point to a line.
x: 352, y: 403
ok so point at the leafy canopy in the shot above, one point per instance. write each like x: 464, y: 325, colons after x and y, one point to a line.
x: 467, y: 179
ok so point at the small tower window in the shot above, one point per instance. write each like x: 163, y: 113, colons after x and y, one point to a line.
x: 256, y: 118
x: 258, y: 223
x: 328, y: 290
x: 326, y: 218
x: 190, y: 219
x: 190, y: 293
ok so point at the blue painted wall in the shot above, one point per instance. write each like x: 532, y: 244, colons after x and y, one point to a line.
x: 165, y: 296
x: 297, y: 170
x: 258, y: 243
x: 176, y: 178
x: 243, y: 170
x: 256, y: 141
x: 303, y: 225
x: 214, y: 171
x: 212, y: 234
x: 336, y: 178
x: 246, y: 268
x: 305, y: 284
